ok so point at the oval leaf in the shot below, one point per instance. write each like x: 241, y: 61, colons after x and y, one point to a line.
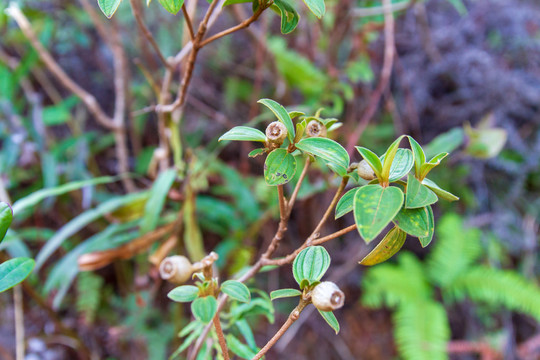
x: 236, y: 290
x: 389, y: 156
x: 425, y: 240
x: 14, y: 271
x: 328, y: 150
x: 392, y: 242
x: 289, y: 15
x: 204, y: 308
x: 6, y: 216
x: 281, y: 113
x: 184, y: 293
x: 108, y: 7
x: 284, y: 293
x: 346, y: 203
x: 279, y: 167
x: 413, y: 221
x: 374, y: 208
x: 330, y: 318
x: 372, y: 159
x: 419, y: 155
x: 446, y: 195
x: 310, y: 265
x: 403, y: 163
x: 317, y: 7
x: 243, y: 133
x: 427, y: 167
x: 172, y: 6
x: 418, y: 195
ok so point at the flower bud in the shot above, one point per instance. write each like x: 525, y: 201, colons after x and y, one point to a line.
x: 175, y: 269
x: 276, y: 133
x: 315, y: 129
x: 365, y: 171
x: 326, y: 296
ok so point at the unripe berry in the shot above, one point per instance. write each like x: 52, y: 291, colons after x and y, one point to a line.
x: 276, y: 132
x: 365, y: 171
x: 315, y: 129
x: 175, y: 269
x: 326, y: 296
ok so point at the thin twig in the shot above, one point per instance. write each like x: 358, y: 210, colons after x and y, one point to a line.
x: 294, y: 315
x: 187, y: 18
x: 297, y: 187
x: 379, y: 10
x: 88, y: 99
x: 282, y: 204
x: 221, y: 337
x: 136, y: 10
x: 19, y: 323
x: 389, y: 50
x: 244, y: 24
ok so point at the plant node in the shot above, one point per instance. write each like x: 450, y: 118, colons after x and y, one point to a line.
x: 327, y: 296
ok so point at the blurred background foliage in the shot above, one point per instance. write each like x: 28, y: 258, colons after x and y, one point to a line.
x: 466, y: 79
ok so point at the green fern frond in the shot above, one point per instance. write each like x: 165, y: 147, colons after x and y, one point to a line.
x: 89, y: 288
x: 499, y: 288
x: 391, y: 285
x: 455, y: 249
x: 421, y: 331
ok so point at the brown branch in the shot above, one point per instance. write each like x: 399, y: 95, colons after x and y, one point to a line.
x: 244, y: 24
x: 98, y: 259
x: 294, y: 315
x: 221, y: 337
x: 297, y: 187
x: 189, y: 25
x: 389, y: 50
x: 136, y: 10
x: 283, y: 213
x: 88, y: 99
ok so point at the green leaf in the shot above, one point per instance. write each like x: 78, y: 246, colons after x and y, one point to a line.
x: 236, y: 290
x: 6, y: 216
x: 232, y: 2
x: 289, y: 15
x: 328, y: 150
x: 346, y: 203
x: 154, y: 204
x: 281, y: 114
x: 330, y: 318
x: 238, y: 348
x: 279, y: 167
x: 418, y: 195
x: 389, y: 245
x: 374, y: 208
x: 39, y: 195
x: 372, y: 159
x: 284, y: 293
x: 445, y: 142
x: 79, y: 222
x: 184, y: 293
x: 14, y: 271
x: 402, y: 164
x: 108, y: 7
x: 256, y: 152
x: 316, y: 6
x: 247, y: 333
x: 427, y: 167
x: 389, y: 156
x: 204, y: 308
x: 413, y: 221
x: 172, y: 6
x: 310, y: 265
x: 419, y: 156
x: 446, y: 195
x: 425, y: 240
x: 243, y: 133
